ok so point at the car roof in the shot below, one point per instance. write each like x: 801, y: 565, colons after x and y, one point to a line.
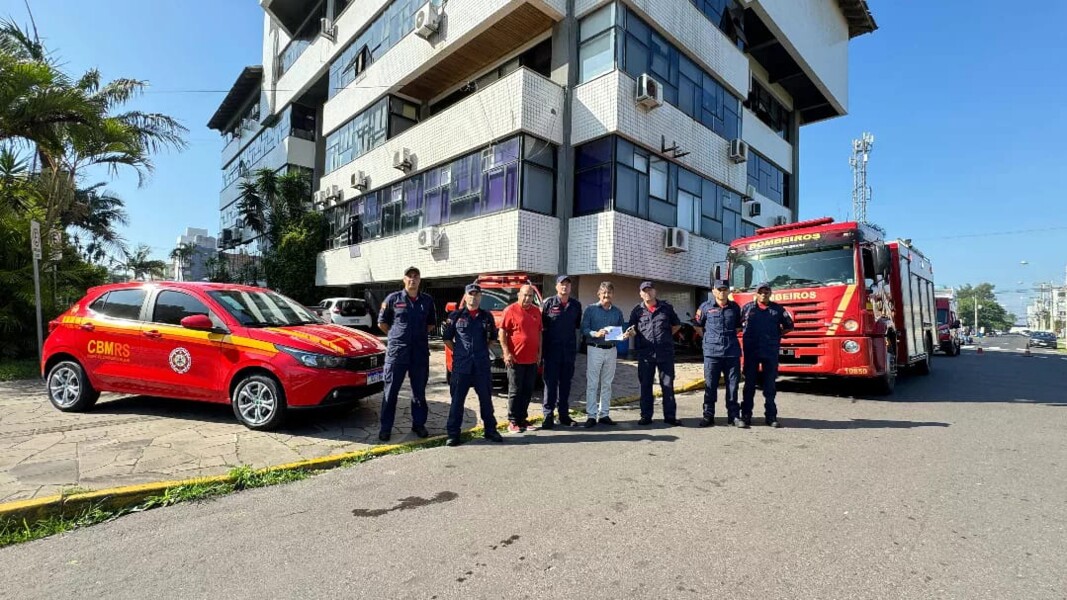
x: 342, y: 298
x: 178, y: 285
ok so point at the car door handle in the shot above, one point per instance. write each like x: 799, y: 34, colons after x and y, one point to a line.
x: 88, y: 326
x: 152, y: 333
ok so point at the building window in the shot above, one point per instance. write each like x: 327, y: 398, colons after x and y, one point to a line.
x: 727, y: 15
x: 384, y: 120
x: 305, y: 35
x: 649, y: 187
x: 538, y: 59
x: 596, y: 44
x: 768, y: 109
x: 517, y: 171
x: 768, y: 179
x: 385, y: 31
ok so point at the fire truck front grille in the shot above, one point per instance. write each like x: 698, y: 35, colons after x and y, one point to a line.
x: 809, y: 317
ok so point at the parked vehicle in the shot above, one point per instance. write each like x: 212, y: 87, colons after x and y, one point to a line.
x: 948, y: 324
x: 350, y: 312
x: 498, y: 291
x: 863, y: 306
x: 252, y: 348
x: 1042, y: 339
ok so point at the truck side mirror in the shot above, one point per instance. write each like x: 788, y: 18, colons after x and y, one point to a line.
x: 955, y: 324
x: 881, y: 258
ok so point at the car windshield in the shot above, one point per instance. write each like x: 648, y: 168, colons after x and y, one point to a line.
x: 496, y: 299
x: 942, y: 316
x: 262, y: 308
x: 816, y: 267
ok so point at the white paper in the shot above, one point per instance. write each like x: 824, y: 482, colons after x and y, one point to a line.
x: 614, y: 334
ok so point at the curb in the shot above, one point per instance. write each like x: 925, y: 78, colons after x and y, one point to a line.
x: 122, y: 497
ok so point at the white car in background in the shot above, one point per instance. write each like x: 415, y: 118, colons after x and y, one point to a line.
x: 350, y: 312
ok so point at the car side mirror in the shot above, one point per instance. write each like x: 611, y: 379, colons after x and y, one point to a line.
x: 198, y: 322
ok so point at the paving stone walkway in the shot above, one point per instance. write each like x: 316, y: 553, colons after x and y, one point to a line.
x: 127, y: 440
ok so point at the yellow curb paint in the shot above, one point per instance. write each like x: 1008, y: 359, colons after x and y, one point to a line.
x: 121, y: 497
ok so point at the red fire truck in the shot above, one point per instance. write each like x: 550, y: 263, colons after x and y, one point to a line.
x: 863, y: 306
x: 948, y: 323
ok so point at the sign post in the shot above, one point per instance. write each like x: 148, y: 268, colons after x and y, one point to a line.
x: 35, y: 245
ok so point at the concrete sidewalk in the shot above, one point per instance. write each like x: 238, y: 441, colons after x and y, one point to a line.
x: 128, y: 440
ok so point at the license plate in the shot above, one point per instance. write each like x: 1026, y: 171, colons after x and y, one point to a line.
x: 787, y: 352
x: 374, y: 377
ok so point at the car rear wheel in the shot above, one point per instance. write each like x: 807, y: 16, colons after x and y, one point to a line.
x: 259, y: 403
x: 69, y: 389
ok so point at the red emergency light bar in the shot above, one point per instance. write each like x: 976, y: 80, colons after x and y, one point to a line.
x: 797, y: 225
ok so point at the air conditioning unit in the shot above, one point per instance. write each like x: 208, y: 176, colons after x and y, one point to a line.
x: 318, y: 199
x: 429, y: 238
x: 427, y: 20
x: 676, y: 240
x: 754, y: 209
x: 738, y: 150
x: 327, y: 29
x: 360, y: 181
x: 402, y: 160
x: 337, y: 193
x: 781, y: 220
x: 750, y: 191
x: 649, y: 92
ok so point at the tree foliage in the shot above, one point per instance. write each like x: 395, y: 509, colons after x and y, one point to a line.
x: 991, y: 314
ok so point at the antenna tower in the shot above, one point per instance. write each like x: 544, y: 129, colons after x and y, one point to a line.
x: 861, y: 192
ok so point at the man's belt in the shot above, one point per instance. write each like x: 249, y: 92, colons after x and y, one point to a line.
x: 601, y: 346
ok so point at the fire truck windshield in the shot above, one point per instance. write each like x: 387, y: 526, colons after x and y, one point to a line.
x: 808, y: 267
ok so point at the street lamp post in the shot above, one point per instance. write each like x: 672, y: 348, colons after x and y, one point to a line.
x: 976, y: 307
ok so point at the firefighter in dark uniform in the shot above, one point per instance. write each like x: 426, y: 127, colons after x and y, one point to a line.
x: 653, y: 324
x: 561, y: 317
x: 764, y: 322
x: 719, y: 320
x: 407, y: 317
x: 467, y: 333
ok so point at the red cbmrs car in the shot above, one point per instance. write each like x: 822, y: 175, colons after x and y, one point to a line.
x: 250, y: 347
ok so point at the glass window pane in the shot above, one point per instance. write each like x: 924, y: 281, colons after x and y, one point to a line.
x: 689, y: 181
x: 539, y: 189
x: 641, y: 161
x: 658, y: 178
x: 597, y: 56
x: 597, y: 22
x: 662, y: 212
x: 593, y: 191
x: 540, y: 152
x: 635, y: 57
x: 124, y: 304
x: 171, y: 307
x: 687, y: 205
x: 593, y: 153
x: 626, y: 191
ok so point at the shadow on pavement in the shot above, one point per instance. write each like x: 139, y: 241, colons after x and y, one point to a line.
x: 855, y: 424
x: 586, y: 437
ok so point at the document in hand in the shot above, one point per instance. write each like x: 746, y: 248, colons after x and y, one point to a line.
x: 614, y: 334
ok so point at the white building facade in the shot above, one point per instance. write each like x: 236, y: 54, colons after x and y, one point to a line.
x: 610, y: 140
x: 193, y: 268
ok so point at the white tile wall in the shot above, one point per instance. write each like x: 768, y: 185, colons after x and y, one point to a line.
x: 464, y: 19
x: 522, y: 101
x: 509, y: 241
x: 606, y: 105
x: 815, y: 33
x: 635, y: 249
x: 763, y: 140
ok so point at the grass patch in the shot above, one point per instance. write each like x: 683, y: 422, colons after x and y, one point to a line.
x: 11, y: 370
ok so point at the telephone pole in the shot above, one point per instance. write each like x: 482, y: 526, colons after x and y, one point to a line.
x: 861, y: 192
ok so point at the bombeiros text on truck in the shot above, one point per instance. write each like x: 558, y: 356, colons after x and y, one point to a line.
x: 863, y: 305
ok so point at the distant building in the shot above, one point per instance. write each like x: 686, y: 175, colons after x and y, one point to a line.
x: 195, y: 267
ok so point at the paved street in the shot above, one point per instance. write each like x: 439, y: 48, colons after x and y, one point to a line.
x: 954, y: 488
x: 137, y: 439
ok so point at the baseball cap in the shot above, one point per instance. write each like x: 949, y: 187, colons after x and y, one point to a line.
x: 563, y: 278
x: 472, y: 287
x: 721, y: 283
x: 762, y: 285
x: 408, y: 271
x: 645, y: 284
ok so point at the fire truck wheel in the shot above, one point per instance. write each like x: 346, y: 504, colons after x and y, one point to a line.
x: 69, y: 389
x: 885, y: 384
x: 924, y: 366
x: 259, y: 402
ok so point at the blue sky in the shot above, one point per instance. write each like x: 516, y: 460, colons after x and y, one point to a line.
x: 964, y: 99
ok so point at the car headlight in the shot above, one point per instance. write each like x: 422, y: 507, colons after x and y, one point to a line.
x: 314, y: 360
x: 851, y: 346
x: 850, y: 325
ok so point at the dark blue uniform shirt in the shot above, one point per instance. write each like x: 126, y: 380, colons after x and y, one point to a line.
x: 764, y: 329
x: 407, y: 320
x: 720, y: 324
x: 470, y: 336
x: 559, y: 324
x: 654, y: 339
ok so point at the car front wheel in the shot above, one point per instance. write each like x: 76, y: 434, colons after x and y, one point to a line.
x: 259, y: 403
x: 69, y: 389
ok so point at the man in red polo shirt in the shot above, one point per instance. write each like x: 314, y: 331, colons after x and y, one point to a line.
x: 520, y: 339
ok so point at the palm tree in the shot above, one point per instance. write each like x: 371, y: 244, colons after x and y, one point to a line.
x: 139, y: 262
x: 181, y: 255
x: 95, y: 214
x: 269, y: 201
